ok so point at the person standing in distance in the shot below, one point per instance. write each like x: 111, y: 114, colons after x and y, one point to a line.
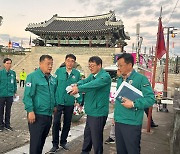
x: 8, y: 88
x: 39, y: 101
x: 96, y: 88
x: 66, y: 76
x: 22, y: 78
x: 128, y: 115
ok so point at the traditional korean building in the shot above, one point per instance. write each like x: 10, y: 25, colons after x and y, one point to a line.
x: 99, y: 30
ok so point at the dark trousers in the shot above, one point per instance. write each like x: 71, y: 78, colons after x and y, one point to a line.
x: 5, y: 105
x: 146, y: 110
x: 93, y: 134
x: 38, y: 133
x: 67, y: 111
x: 21, y: 82
x: 128, y: 138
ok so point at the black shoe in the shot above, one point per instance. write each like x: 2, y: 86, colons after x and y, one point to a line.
x: 109, y: 140
x: 1, y: 128
x: 53, y: 150
x: 64, y: 146
x: 8, y: 128
x: 154, y: 125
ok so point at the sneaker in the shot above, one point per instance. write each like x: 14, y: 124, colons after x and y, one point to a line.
x: 64, y: 146
x: 1, y: 129
x: 53, y: 150
x: 154, y: 125
x: 9, y: 128
x: 109, y: 140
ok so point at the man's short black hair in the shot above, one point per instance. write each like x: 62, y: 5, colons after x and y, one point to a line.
x: 95, y: 59
x: 7, y: 59
x: 44, y: 57
x: 71, y: 56
x: 128, y: 58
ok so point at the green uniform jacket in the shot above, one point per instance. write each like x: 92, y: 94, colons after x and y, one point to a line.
x: 134, y: 116
x: 97, y: 89
x: 8, y: 85
x: 64, y: 80
x: 39, y: 94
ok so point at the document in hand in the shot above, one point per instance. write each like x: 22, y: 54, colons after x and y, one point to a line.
x: 128, y: 91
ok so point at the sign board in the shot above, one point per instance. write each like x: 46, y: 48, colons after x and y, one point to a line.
x: 15, y: 45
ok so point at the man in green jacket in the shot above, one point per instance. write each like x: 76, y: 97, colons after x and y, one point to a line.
x: 65, y: 77
x: 39, y: 101
x: 128, y: 115
x: 8, y: 88
x: 96, y: 88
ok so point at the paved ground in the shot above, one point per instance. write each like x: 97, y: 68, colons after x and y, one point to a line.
x: 155, y: 142
x: 10, y: 140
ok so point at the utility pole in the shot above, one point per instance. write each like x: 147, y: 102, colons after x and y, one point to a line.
x: 177, y: 67
x: 1, y: 19
x: 164, y: 108
x: 137, y: 42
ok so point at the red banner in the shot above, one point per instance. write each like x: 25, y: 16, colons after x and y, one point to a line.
x: 160, y: 46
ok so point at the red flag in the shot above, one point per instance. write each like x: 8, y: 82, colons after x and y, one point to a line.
x: 160, y: 46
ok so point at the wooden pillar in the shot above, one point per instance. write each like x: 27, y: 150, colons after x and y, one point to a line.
x: 90, y: 43
x: 107, y: 44
x: 59, y: 42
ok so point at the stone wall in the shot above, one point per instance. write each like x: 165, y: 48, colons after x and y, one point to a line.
x: 31, y: 60
x: 175, y: 133
x: 15, y: 59
x: 75, y: 50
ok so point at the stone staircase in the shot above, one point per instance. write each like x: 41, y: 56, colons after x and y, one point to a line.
x: 31, y: 60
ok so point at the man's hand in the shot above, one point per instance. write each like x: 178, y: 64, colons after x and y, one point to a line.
x: 76, y: 104
x: 127, y: 103
x: 55, y: 110
x: 74, y: 90
x: 31, y: 117
x: 113, y: 122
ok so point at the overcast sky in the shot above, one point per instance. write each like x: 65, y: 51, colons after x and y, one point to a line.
x: 17, y: 14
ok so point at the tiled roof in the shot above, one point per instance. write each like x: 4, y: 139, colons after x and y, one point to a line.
x: 77, y: 24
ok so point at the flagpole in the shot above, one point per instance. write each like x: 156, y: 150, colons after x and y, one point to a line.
x: 153, y: 85
x: 154, y: 75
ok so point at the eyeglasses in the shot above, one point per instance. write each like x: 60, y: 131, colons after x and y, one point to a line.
x: 92, y: 66
x: 120, y: 66
x: 70, y: 61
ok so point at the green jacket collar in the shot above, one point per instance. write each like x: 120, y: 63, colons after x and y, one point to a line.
x: 72, y: 72
x: 131, y: 75
x: 41, y: 73
x: 4, y: 70
x: 99, y: 73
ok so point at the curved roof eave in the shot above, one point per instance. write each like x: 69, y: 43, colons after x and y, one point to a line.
x: 42, y: 31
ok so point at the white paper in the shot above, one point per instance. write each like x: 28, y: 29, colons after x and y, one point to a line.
x: 124, y: 83
x: 16, y: 98
x: 69, y: 89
